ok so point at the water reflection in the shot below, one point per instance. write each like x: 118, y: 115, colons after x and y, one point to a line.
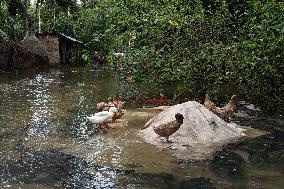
x: 229, y: 165
x: 45, y: 142
x: 54, y: 168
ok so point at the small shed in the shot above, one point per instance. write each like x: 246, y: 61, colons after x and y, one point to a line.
x: 60, y: 47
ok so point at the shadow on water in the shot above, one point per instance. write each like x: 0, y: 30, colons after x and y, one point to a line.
x: 229, y: 165
x: 253, y: 163
x: 53, y: 168
x: 59, y: 170
x: 266, y: 151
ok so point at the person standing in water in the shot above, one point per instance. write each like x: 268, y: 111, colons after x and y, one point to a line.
x: 96, y: 59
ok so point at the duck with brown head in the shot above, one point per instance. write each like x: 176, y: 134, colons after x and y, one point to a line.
x: 169, y: 128
x: 226, y: 112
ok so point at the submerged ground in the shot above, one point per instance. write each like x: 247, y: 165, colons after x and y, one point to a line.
x: 46, y: 143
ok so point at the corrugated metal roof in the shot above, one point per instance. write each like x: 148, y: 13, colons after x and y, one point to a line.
x: 61, y: 34
x: 70, y: 38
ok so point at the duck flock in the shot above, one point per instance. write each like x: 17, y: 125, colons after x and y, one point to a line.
x: 114, y: 109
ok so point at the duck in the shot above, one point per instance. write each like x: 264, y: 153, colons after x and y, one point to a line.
x: 169, y: 128
x: 102, y: 106
x: 110, y: 102
x: 115, y: 103
x: 102, y: 117
x: 208, y: 103
x: 226, y: 112
x: 119, y: 105
x: 118, y: 115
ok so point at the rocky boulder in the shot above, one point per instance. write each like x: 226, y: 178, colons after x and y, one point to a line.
x: 28, y: 53
x: 201, y: 132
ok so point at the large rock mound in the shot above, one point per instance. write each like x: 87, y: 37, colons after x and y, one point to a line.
x: 30, y: 52
x: 201, y: 129
x: 31, y: 43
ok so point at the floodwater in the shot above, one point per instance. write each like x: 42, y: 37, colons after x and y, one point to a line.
x: 46, y: 143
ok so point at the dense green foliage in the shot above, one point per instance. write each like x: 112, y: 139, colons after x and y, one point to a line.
x: 209, y: 46
x: 196, y: 47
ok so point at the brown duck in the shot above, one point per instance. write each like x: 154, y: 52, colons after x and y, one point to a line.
x: 208, y: 103
x: 226, y: 112
x: 167, y: 129
x: 119, y: 105
x: 103, y: 106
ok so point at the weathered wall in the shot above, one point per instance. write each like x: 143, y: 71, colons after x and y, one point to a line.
x: 52, y: 44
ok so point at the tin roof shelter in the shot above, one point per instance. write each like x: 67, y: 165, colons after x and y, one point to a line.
x: 60, y: 47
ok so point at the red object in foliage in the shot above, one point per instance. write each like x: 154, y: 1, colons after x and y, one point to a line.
x: 156, y: 101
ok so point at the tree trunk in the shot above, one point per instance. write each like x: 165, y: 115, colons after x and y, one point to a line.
x: 39, y: 19
x: 11, y: 50
x: 10, y: 62
x: 38, y: 14
x: 13, y: 6
x: 27, y: 19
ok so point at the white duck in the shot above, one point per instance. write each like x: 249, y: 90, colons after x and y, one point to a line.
x: 103, y: 116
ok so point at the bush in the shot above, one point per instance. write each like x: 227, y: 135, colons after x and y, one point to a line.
x: 197, y: 50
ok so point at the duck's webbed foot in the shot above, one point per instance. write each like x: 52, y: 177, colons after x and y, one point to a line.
x: 105, y: 126
x: 113, y: 119
x: 103, y: 131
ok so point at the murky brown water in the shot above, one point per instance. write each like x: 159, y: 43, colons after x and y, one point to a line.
x: 45, y: 142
